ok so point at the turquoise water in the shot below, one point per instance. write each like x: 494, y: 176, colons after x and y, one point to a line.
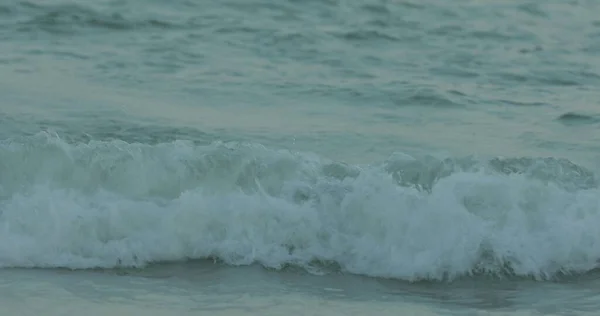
x: 392, y: 151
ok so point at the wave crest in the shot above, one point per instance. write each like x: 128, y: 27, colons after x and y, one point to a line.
x: 111, y: 204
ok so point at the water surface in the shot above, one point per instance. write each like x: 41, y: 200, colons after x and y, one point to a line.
x: 333, y: 157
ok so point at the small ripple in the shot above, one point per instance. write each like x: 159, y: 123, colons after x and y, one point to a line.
x: 517, y: 103
x: 365, y: 35
x: 5, y: 10
x: 589, y: 75
x: 64, y: 18
x: 445, y: 30
x: 529, y: 50
x: 550, y: 77
x: 380, y: 9
x: 412, y: 4
x: 533, y: 9
x: 232, y: 29
x: 455, y: 72
x: 575, y: 119
x: 97, y: 128
x: 558, y: 81
x: 428, y: 98
x: 490, y: 35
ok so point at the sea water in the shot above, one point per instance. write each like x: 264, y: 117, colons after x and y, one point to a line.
x: 299, y: 157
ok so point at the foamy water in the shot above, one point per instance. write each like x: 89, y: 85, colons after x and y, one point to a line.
x: 116, y: 204
x: 409, y: 156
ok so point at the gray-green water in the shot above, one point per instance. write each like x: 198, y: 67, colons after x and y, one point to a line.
x: 334, y: 157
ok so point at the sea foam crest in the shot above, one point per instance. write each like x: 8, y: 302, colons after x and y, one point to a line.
x: 111, y: 203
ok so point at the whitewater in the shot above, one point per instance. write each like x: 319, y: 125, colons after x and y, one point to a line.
x: 323, y: 157
x: 110, y: 204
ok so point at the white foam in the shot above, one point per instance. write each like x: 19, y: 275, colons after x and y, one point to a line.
x: 109, y: 204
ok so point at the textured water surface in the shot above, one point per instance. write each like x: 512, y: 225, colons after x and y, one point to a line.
x: 451, y: 144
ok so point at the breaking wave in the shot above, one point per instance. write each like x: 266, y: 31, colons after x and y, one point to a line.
x: 115, y: 204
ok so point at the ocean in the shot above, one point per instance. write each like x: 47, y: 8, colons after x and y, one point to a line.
x: 318, y: 157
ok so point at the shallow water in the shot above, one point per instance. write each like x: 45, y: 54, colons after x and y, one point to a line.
x: 198, y: 288
x: 414, y: 156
